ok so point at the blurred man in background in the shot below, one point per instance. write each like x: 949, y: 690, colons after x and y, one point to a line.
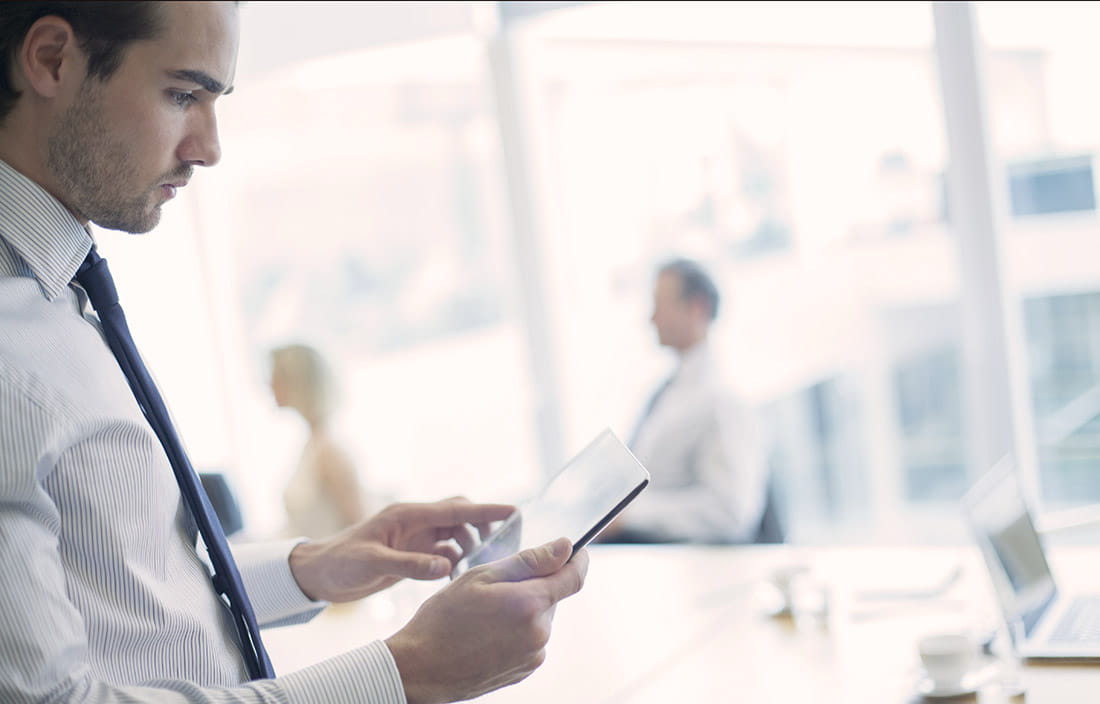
x: 700, y: 443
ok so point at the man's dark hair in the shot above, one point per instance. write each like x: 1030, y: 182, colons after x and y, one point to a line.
x: 695, y: 283
x: 104, y: 29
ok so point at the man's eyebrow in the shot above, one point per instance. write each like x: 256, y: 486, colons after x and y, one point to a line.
x: 203, y: 79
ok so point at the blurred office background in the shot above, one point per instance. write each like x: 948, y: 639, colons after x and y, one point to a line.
x: 463, y: 204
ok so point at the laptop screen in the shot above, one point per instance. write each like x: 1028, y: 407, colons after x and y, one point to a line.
x: 1010, y: 545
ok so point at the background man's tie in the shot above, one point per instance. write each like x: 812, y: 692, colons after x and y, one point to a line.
x: 648, y: 410
x: 96, y: 280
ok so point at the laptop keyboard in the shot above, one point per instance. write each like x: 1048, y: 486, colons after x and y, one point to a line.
x: 1080, y: 623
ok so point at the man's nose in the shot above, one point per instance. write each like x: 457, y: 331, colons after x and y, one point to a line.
x: 201, y: 146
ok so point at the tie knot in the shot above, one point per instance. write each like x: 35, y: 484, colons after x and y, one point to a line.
x: 95, y: 278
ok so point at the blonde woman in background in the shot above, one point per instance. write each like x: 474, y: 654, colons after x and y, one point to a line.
x: 324, y: 495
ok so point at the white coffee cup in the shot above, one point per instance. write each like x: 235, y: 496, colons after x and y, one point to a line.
x: 947, y: 657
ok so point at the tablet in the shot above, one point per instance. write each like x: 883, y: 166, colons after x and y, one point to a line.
x: 578, y: 502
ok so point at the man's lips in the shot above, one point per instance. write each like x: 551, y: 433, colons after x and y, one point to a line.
x: 171, y: 188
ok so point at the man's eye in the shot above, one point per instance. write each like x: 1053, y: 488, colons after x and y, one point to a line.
x: 182, y: 98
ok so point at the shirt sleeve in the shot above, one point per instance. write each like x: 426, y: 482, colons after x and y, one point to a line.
x: 271, y: 587
x: 367, y: 674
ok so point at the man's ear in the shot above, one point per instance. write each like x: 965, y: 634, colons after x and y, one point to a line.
x: 49, y: 58
x: 700, y: 310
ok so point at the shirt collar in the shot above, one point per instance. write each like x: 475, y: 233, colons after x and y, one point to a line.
x: 695, y: 361
x: 41, y: 231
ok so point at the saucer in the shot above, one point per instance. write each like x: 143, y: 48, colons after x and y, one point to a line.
x: 933, y: 690
x: 967, y: 685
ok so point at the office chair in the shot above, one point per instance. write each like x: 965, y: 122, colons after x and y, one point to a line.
x: 771, y: 530
x: 224, y: 502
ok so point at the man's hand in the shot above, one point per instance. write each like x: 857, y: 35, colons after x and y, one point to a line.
x: 403, y: 540
x: 488, y: 628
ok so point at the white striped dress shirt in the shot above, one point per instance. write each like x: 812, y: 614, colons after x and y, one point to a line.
x: 103, y: 597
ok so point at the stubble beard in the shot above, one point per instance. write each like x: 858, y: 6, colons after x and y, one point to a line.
x: 93, y: 169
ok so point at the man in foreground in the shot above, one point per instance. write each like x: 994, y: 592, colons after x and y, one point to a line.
x: 105, y: 110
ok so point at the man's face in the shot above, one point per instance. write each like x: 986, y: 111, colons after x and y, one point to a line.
x: 123, y: 147
x: 675, y: 318
x: 280, y: 388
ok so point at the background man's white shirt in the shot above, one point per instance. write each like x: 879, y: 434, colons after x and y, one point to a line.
x: 707, y: 462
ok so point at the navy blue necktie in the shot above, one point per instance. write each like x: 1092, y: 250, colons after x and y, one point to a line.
x: 96, y: 280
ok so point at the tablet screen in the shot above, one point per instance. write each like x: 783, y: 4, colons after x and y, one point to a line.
x: 577, y: 502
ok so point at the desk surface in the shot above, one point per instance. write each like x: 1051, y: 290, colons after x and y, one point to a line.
x: 657, y: 624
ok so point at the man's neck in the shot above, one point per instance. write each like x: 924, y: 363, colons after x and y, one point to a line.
x: 685, y: 350
x: 19, y: 149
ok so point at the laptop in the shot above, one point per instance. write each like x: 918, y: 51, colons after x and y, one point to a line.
x: 1044, y: 620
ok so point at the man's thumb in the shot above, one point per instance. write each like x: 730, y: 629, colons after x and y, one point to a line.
x: 534, y: 562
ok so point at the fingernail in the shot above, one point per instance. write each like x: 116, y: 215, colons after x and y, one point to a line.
x: 561, y: 548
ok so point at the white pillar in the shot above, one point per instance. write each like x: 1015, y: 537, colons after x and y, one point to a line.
x: 996, y: 389
x: 519, y: 164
